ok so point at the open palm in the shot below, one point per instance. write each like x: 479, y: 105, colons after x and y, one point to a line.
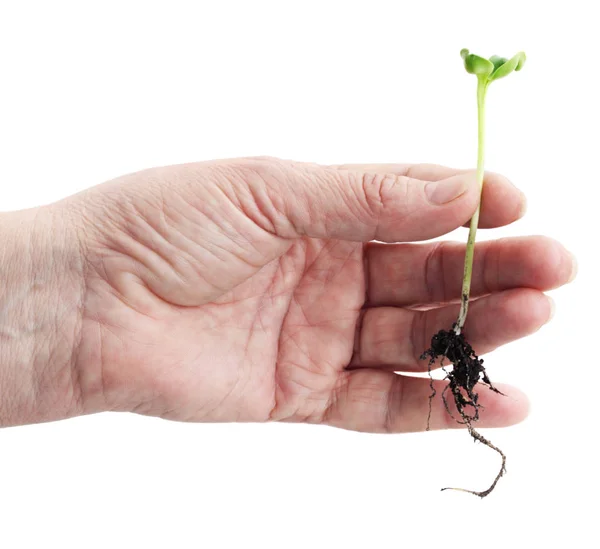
x: 252, y: 290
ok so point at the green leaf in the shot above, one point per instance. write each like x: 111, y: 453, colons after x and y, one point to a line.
x: 488, y: 70
x: 477, y: 65
x: 497, y: 61
x: 513, y: 64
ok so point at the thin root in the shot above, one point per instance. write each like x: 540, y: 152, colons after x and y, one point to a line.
x: 482, y: 439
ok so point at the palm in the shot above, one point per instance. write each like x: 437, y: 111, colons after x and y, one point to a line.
x: 274, y: 347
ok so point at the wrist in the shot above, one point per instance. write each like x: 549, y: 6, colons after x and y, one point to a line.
x: 41, y: 297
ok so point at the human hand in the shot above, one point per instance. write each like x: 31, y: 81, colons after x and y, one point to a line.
x: 250, y: 290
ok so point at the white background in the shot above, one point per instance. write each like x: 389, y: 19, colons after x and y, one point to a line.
x: 92, y: 90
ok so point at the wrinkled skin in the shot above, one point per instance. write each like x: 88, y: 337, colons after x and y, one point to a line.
x: 251, y: 290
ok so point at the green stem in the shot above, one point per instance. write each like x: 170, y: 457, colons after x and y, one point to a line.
x: 466, y: 286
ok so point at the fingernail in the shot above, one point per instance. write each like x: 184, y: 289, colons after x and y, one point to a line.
x: 447, y: 190
x: 552, y: 308
x: 574, y: 268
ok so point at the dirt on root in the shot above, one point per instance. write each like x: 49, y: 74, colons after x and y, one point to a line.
x: 466, y: 373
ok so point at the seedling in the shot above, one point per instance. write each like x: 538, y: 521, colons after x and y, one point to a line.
x: 467, y: 368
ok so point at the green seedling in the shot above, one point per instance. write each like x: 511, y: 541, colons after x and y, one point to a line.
x: 451, y: 345
x: 486, y: 70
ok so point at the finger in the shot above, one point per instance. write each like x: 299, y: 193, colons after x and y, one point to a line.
x: 293, y: 199
x: 395, y: 338
x: 384, y: 402
x: 407, y: 274
x: 501, y: 202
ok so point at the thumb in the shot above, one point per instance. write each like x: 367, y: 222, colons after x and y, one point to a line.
x: 293, y: 199
x: 195, y: 231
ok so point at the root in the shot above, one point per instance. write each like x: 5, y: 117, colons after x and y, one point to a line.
x: 467, y: 371
x: 483, y: 440
x: 433, y: 391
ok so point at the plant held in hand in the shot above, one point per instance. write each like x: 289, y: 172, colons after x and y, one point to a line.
x: 467, y: 368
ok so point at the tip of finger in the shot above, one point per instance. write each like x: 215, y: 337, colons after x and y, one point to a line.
x: 522, y: 206
x: 574, y: 267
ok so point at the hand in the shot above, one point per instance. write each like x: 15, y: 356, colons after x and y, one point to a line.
x: 250, y: 290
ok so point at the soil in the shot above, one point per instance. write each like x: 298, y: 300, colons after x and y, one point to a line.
x: 467, y: 372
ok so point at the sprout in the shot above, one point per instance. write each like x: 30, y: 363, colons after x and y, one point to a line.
x: 486, y: 70
x: 467, y: 368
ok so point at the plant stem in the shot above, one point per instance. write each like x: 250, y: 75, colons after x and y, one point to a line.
x: 466, y: 286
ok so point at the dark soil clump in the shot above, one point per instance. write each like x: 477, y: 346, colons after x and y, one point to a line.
x: 467, y: 371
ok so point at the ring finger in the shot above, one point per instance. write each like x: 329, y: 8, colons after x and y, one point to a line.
x: 394, y: 338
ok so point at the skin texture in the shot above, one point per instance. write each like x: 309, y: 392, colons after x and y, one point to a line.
x: 250, y: 290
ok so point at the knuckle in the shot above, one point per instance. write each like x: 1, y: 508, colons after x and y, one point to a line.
x: 379, y: 195
x: 258, y: 188
x: 383, y: 191
x: 372, y: 190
